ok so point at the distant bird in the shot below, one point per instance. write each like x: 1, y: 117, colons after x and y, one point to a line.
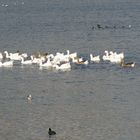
x: 29, y: 97
x: 26, y: 62
x: 80, y: 61
x: 99, y: 26
x: 129, y: 26
x: 51, y: 132
x: 110, y: 27
x: 6, y: 63
x: 94, y: 58
x: 127, y: 65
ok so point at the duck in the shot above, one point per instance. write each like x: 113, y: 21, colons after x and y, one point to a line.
x: 51, y: 132
x: 99, y: 26
x: 127, y: 65
x: 80, y: 61
x: 29, y: 97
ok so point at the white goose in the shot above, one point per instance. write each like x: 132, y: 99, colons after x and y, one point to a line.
x: 6, y: 63
x: 63, y: 67
x: 94, y: 58
x: 35, y: 60
x: 71, y: 55
x: 106, y: 56
x: 47, y: 64
x: 119, y: 55
x: 13, y: 56
x: 26, y: 62
x: 25, y: 55
x: 116, y: 58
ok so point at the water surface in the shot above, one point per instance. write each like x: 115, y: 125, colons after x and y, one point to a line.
x: 100, y: 101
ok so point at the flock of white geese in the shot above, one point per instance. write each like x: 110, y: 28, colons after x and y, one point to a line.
x: 60, y: 61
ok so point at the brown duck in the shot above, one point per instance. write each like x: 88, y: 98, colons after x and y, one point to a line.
x: 127, y: 65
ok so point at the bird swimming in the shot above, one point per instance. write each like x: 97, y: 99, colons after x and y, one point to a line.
x: 51, y: 132
x: 127, y: 65
x: 29, y: 97
x: 99, y: 26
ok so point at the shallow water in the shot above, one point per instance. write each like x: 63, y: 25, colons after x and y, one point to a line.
x: 98, y: 101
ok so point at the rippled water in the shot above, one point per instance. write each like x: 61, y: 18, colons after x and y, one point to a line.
x: 97, y: 102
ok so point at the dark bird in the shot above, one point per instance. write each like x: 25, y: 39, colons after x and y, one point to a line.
x: 99, y: 26
x: 51, y: 132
